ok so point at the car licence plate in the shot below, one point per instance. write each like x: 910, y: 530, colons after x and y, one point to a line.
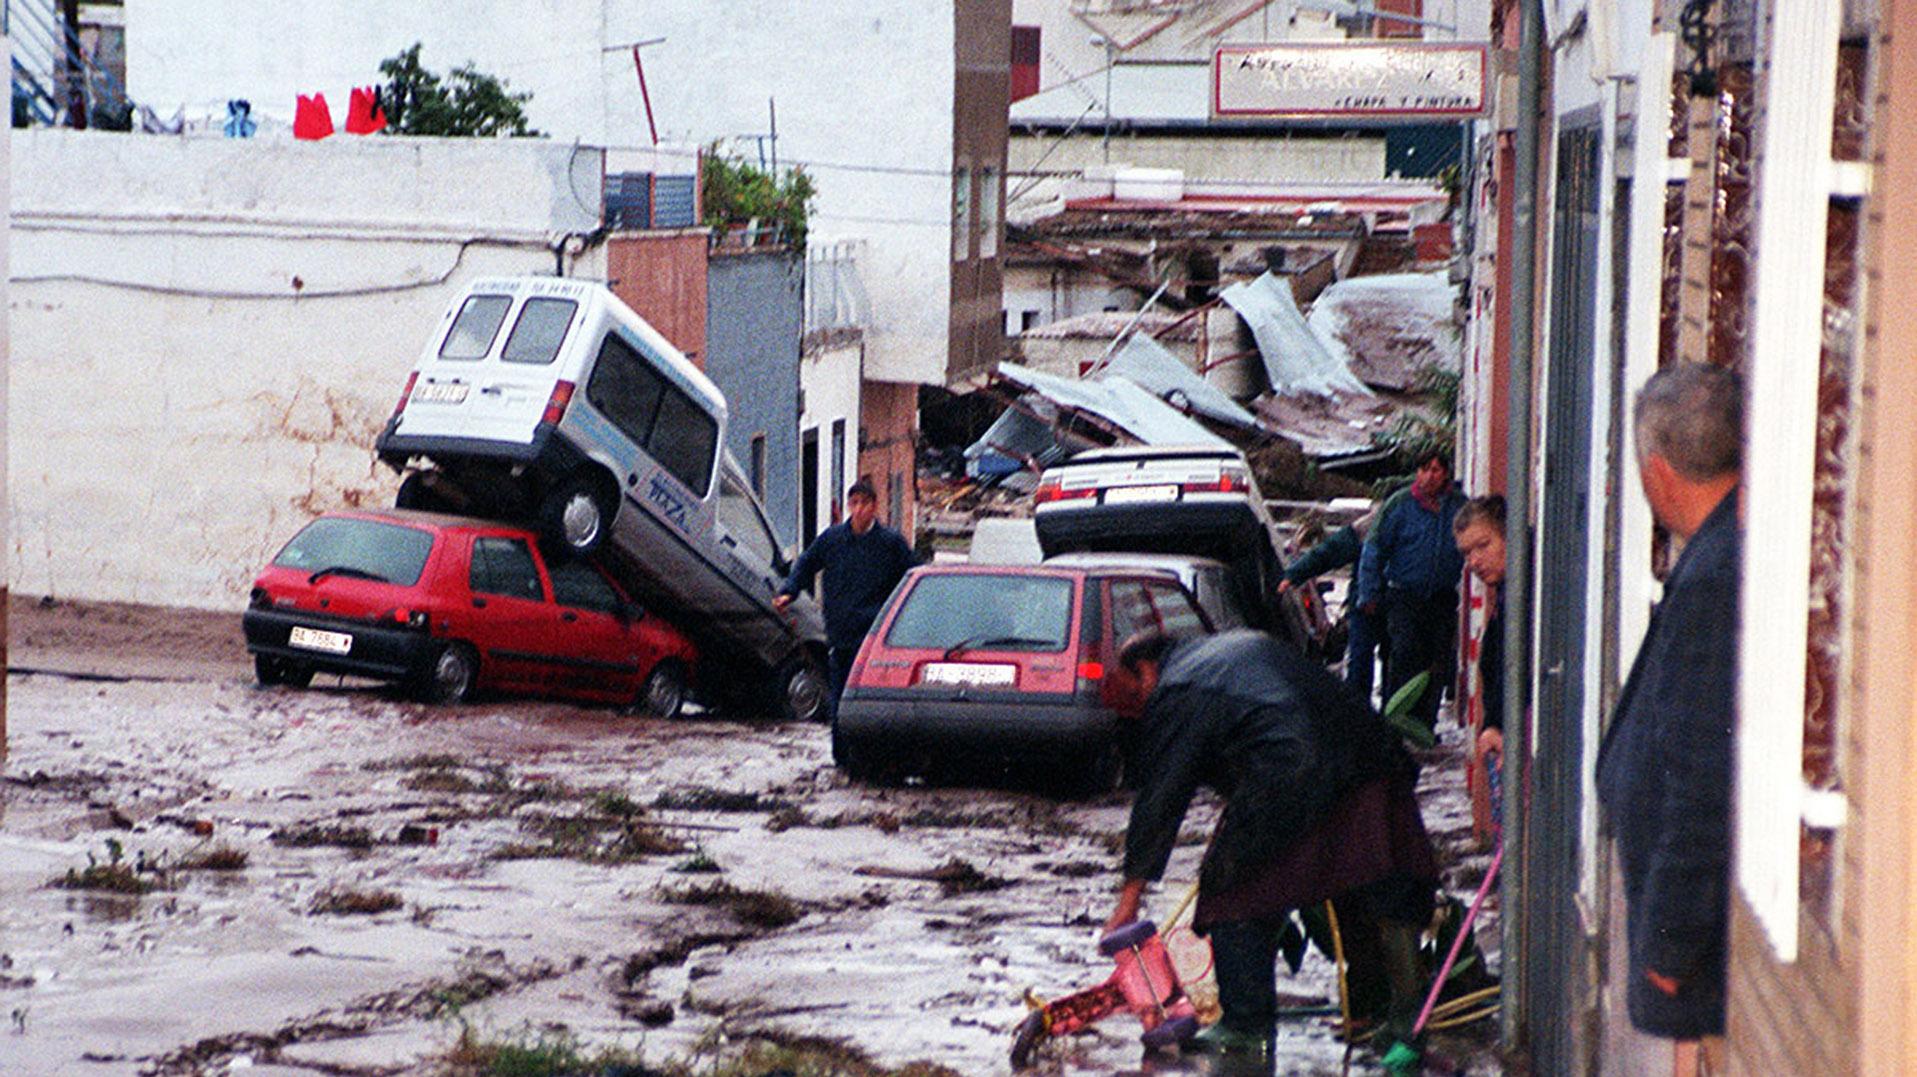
x: 440, y: 392
x: 975, y: 673
x: 1131, y: 495
x: 314, y: 639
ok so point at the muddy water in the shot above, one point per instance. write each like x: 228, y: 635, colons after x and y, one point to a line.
x: 923, y: 914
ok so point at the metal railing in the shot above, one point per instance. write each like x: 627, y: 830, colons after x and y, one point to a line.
x: 53, y: 75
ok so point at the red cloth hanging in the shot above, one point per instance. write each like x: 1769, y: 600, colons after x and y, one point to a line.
x: 312, y: 119
x: 363, y: 114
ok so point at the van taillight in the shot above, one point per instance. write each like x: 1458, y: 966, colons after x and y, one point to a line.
x: 1091, y: 671
x: 405, y: 394
x: 1052, y: 491
x: 556, y: 403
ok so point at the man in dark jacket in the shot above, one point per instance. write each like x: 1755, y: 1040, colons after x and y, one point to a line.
x: 1664, y: 771
x: 1408, y: 576
x: 1319, y: 804
x: 862, y: 561
x: 1336, y: 550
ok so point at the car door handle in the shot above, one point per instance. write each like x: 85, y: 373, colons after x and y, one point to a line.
x: 479, y: 603
x: 728, y: 541
x: 569, y: 616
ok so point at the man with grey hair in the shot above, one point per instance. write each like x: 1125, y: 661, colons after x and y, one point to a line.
x: 1664, y: 771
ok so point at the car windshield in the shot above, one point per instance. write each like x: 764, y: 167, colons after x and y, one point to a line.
x: 365, y: 549
x: 989, y: 611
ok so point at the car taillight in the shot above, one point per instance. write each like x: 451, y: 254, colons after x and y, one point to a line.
x: 1227, y: 482
x: 1052, y: 491
x: 556, y: 403
x: 405, y: 394
x: 1091, y: 671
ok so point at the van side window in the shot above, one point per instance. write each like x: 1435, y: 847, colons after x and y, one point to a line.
x: 625, y: 389
x: 741, y: 521
x: 577, y: 584
x: 504, y: 566
x: 539, y: 331
x: 683, y: 440
x: 1132, y: 611
x: 471, y: 336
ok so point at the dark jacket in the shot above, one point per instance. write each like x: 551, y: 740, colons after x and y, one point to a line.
x: 1336, y: 550
x: 1411, y: 548
x: 1270, y: 730
x: 1664, y: 779
x: 860, y: 572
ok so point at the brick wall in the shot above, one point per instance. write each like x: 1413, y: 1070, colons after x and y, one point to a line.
x: 888, y: 428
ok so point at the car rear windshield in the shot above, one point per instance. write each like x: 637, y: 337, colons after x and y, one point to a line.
x: 985, y: 611
x: 471, y: 336
x: 366, y: 549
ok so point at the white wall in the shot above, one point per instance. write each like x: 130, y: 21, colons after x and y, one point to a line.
x: 1270, y: 161
x: 829, y: 379
x: 180, y: 404
x: 197, y: 54
x: 867, y: 85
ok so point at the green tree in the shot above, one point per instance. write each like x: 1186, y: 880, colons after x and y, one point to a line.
x: 736, y: 191
x: 466, y: 102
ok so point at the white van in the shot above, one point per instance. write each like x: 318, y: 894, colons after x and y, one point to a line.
x: 548, y: 400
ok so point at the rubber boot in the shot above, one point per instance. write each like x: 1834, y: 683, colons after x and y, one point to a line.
x: 1398, y: 943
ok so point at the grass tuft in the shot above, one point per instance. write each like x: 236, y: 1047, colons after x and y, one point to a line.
x: 756, y: 908
x: 346, y: 901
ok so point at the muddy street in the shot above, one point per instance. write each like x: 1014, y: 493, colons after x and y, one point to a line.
x: 203, y: 876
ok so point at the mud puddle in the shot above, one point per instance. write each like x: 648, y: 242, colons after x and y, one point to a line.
x: 345, y: 883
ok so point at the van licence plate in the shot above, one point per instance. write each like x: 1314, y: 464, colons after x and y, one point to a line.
x: 440, y: 392
x: 1129, y: 495
x: 314, y: 639
x: 978, y: 673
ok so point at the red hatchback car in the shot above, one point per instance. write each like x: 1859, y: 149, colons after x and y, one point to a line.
x: 1003, y: 662
x: 448, y: 606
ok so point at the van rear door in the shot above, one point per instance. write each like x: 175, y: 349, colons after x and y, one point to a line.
x: 494, y: 369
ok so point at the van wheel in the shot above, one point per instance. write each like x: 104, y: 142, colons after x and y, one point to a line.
x: 664, y: 693
x: 417, y: 491
x: 272, y: 670
x: 576, y: 514
x: 451, y: 677
x: 801, y: 691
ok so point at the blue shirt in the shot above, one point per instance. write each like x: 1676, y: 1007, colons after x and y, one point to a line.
x: 1411, y: 548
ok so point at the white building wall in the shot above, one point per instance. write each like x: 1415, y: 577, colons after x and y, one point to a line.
x: 198, y: 54
x: 863, y: 95
x: 208, y: 335
x: 829, y: 381
x: 1222, y: 161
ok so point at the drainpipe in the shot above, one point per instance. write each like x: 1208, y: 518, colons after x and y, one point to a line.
x: 1517, y: 493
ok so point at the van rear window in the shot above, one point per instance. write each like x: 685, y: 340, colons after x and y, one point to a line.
x: 471, y: 336
x: 539, y: 332
x: 361, y: 548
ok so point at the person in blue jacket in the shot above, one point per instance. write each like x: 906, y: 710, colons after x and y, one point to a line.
x: 862, y: 560
x: 1408, y: 576
x: 1336, y: 550
x: 1664, y: 770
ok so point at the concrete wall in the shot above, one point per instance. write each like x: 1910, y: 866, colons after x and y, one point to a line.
x: 208, y: 334
x: 864, y: 97
x: 754, y: 320
x: 1293, y: 158
x: 197, y: 54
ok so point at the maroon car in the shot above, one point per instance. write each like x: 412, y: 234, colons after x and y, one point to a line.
x: 1005, y: 662
x: 448, y: 606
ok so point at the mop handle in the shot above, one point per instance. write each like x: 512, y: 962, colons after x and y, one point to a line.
x: 1464, y: 932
